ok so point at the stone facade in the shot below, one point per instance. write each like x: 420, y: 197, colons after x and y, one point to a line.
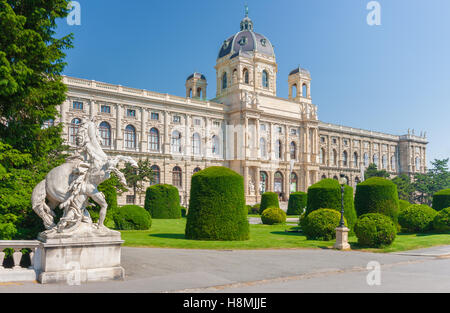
x: 277, y: 144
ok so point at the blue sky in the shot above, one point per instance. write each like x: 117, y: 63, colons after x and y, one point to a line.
x: 385, y: 78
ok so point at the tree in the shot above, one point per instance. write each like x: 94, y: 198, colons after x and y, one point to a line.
x: 405, y: 187
x: 31, y: 62
x: 137, y: 177
x: 372, y: 171
x: 437, y: 178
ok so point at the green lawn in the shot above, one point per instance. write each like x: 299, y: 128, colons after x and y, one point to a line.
x: 170, y: 234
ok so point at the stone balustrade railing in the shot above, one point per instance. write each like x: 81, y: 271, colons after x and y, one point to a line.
x: 17, y: 245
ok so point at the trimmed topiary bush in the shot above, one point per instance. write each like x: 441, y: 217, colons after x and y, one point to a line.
x: 327, y: 194
x: 163, y: 201
x: 403, y: 204
x: 132, y: 217
x: 249, y: 208
x: 377, y: 195
x: 417, y: 218
x: 321, y: 224
x: 272, y: 216
x: 375, y: 230
x: 217, y: 206
x: 441, y: 199
x: 268, y: 199
x: 297, y: 203
x: 441, y: 222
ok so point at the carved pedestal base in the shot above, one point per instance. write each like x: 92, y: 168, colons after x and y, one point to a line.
x: 82, y: 257
x: 342, y: 238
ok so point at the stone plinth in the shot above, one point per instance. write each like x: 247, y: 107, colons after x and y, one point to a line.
x: 93, y: 255
x: 342, y: 239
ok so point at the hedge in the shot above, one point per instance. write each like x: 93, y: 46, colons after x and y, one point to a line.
x: 321, y: 224
x: 327, y: 194
x: 272, y: 216
x: 417, y: 218
x: 377, y: 195
x: 132, y: 217
x: 403, y: 204
x: 217, y: 206
x: 441, y: 199
x: 375, y: 230
x: 297, y: 203
x: 268, y: 199
x: 163, y: 201
x: 441, y: 222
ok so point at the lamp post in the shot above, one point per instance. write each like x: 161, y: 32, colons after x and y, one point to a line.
x: 341, y: 230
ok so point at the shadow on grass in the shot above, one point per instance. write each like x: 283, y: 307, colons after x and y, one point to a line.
x: 168, y: 236
x: 285, y: 233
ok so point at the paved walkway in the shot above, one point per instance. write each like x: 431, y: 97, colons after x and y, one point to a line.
x: 172, y: 270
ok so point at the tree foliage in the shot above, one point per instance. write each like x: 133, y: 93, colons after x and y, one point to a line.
x: 372, y: 171
x: 137, y: 177
x: 437, y: 178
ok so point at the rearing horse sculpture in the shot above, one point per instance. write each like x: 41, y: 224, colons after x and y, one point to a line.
x: 71, y: 184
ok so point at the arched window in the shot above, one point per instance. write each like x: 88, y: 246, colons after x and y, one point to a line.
x: 335, y: 178
x: 234, y: 77
x: 263, y: 182
x: 176, y: 142
x: 278, y: 150
x: 73, y: 130
x: 196, y: 144
x: 153, y: 140
x: 293, y: 151
x: 215, y: 145
x: 334, y: 157
x: 366, y: 160
x: 324, y: 176
x: 197, y: 169
x: 156, y: 175
x: 417, y: 164
x: 304, y: 91
x: 265, y: 79
x: 224, y: 81
x: 393, y: 163
x: 322, y: 156
x: 278, y: 182
x: 345, y: 158
x: 384, y: 161
x: 294, y: 181
x: 130, y: 137
x: 263, y: 147
x: 246, y: 76
x: 355, y: 160
x: 294, y: 91
x: 376, y: 160
x: 105, y: 134
x: 199, y: 92
x: 177, y: 176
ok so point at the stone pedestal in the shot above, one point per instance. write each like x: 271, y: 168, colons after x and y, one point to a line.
x: 342, y: 239
x: 87, y: 256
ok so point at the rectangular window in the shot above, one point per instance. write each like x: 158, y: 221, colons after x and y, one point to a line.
x: 130, y: 199
x: 263, y: 127
x: 77, y: 105
x: 280, y: 129
x: 216, y: 124
x: 105, y: 109
x: 177, y: 119
x: 293, y: 131
x: 197, y: 122
x: 155, y: 116
x: 131, y: 113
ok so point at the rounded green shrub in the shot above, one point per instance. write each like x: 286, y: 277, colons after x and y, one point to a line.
x: 273, y: 215
x: 268, y: 199
x: 377, y: 195
x: 327, y: 194
x: 403, y: 204
x: 255, y: 208
x: 163, y: 201
x: 375, y: 230
x: 297, y: 203
x: 132, y: 217
x: 441, y: 222
x: 249, y: 209
x: 441, y: 199
x: 321, y: 224
x: 416, y: 218
x: 217, y: 206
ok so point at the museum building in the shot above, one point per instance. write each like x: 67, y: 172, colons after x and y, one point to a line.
x: 276, y: 144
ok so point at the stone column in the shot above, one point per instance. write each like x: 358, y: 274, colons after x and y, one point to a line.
x: 257, y: 139
x: 144, y: 117
x: 166, y: 143
x: 188, y: 136
x: 119, y: 134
